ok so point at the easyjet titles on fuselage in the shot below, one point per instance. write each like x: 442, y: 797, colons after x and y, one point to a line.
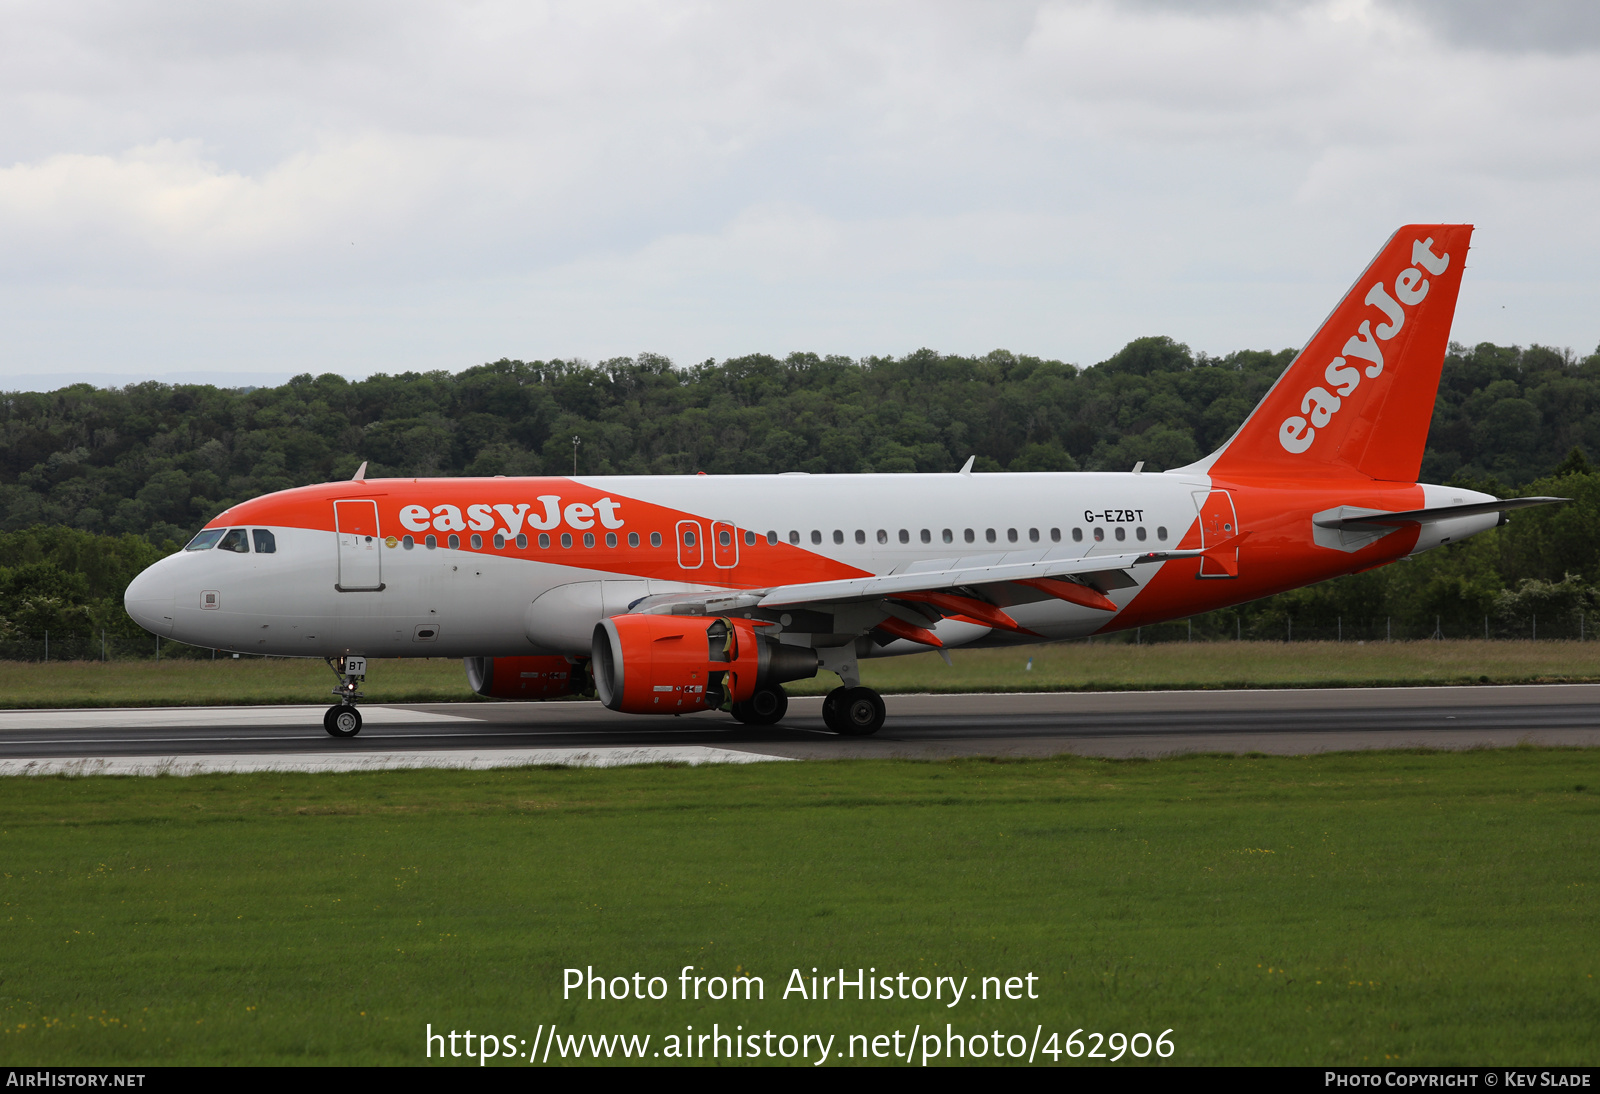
x: 482, y: 518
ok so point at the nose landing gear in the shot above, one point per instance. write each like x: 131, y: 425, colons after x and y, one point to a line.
x: 343, y: 719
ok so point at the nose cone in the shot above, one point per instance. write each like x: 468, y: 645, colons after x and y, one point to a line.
x: 150, y: 597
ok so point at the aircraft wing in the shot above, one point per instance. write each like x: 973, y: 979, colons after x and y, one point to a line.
x: 940, y: 587
x: 956, y: 574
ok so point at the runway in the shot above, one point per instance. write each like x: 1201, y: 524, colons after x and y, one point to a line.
x: 186, y: 740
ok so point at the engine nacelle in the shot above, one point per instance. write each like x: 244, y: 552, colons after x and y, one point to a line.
x: 677, y: 664
x: 525, y: 677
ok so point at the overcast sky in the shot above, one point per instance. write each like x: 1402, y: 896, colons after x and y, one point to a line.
x: 240, y: 192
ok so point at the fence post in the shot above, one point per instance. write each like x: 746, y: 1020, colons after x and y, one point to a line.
x: 158, y: 649
x: 1138, y: 636
x: 1191, y: 630
x: 1388, y: 628
x: 1238, y: 628
x: 102, y: 645
x: 47, y: 647
x: 1290, y: 621
x: 1486, y: 628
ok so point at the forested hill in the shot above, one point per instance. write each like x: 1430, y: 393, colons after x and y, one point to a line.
x: 158, y: 461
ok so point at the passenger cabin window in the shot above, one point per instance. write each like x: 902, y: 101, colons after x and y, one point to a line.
x: 749, y: 539
x: 949, y: 537
x: 588, y: 539
x: 688, y: 539
x: 633, y: 539
x: 794, y: 536
x: 566, y: 540
x: 988, y: 534
x: 772, y: 539
x: 1099, y: 534
x: 816, y: 536
x: 655, y: 539
x: 205, y: 540
x: 431, y: 543
x: 883, y: 536
x: 905, y: 536
x: 235, y: 540
x: 266, y: 542
x: 1161, y: 534
x: 927, y: 536
x: 408, y: 543
x: 522, y: 541
x: 1011, y: 535
x: 477, y: 542
x: 1077, y: 535
x: 968, y: 534
x: 454, y: 543
x: 724, y: 538
x: 1139, y: 533
x: 1033, y: 535
x: 861, y: 536
x: 544, y: 541
x: 838, y: 536
x: 1055, y: 535
x: 611, y: 539
x: 1122, y: 533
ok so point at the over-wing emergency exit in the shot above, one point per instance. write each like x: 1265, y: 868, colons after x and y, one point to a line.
x: 676, y: 594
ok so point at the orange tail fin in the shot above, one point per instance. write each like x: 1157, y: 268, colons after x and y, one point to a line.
x: 1359, y: 398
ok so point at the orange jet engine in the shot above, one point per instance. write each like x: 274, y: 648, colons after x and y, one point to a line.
x: 677, y: 664
x: 525, y: 677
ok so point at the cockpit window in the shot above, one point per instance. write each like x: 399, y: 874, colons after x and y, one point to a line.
x: 235, y: 541
x: 266, y: 542
x: 205, y: 540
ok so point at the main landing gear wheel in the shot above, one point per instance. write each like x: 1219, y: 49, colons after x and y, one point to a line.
x: 342, y: 721
x: 765, y: 708
x: 853, y: 712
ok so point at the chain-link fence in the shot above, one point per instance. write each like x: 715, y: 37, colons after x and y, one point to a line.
x: 1224, y: 626
x: 101, y: 647
x: 1259, y: 627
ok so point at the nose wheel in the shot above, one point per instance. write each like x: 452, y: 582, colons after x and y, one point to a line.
x: 342, y: 721
x: 853, y: 712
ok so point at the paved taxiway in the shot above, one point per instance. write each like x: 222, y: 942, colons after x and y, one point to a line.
x: 923, y: 726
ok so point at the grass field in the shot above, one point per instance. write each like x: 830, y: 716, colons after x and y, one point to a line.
x: 1069, y: 666
x: 1379, y: 908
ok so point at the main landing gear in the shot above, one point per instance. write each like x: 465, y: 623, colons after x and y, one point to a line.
x: 765, y: 708
x: 853, y: 712
x: 850, y: 710
x: 343, y: 719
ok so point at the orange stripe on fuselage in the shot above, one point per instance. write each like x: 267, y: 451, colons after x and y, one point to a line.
x: 758, y: 565
x: 1279, y: 553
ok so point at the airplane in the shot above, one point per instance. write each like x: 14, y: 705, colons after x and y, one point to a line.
x: 677, y: 594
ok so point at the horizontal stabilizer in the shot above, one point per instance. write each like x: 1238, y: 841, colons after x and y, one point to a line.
x: 1350, y: 517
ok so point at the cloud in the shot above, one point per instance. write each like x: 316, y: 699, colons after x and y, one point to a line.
x: 427, y: 184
